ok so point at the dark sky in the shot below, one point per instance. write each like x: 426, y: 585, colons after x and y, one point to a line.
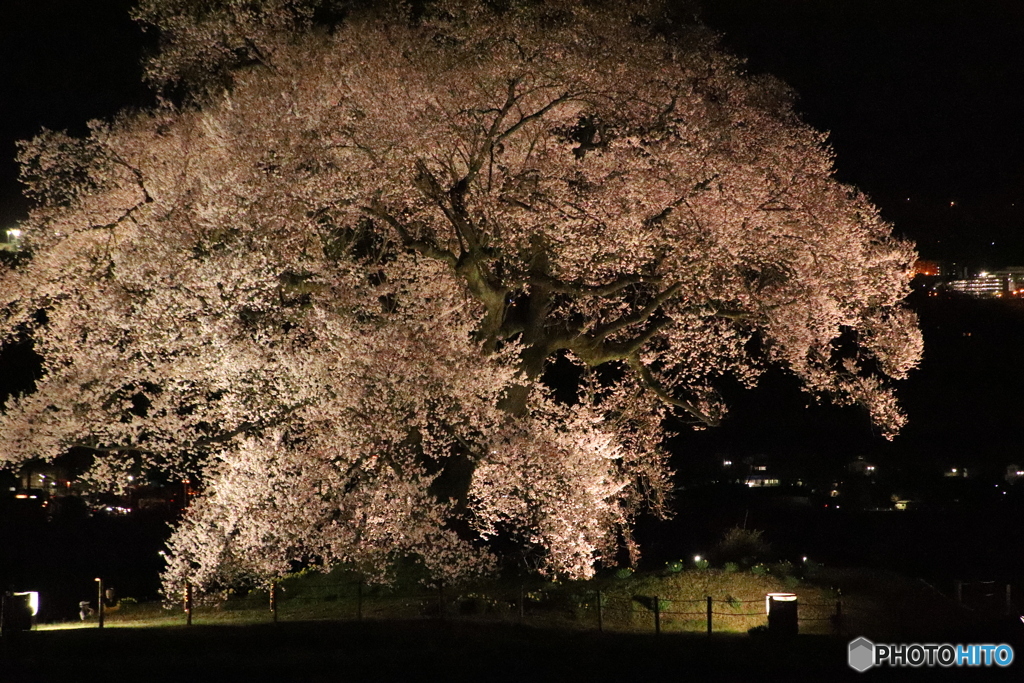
x: 62, y: 62
x: 923, y: 99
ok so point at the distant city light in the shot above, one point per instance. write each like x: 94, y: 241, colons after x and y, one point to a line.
x: 11, y: 239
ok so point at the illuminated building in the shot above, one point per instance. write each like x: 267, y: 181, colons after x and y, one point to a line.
x: 996, y: 283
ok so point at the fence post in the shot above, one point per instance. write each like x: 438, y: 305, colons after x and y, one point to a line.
x: 657, y: 616
x: 359, y: 599
x: 600, y: 614
x: 708, y: 598
x: 188, y: 604
x: 99, y: 600
x: 273, y: 599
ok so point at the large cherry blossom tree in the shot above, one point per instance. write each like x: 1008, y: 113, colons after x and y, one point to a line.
x: 330, y: 285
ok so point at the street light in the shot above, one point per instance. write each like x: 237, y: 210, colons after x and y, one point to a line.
x: 33, y: 601
x: 99, y: 599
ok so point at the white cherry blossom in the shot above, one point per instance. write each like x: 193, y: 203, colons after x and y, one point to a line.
x: 330, y: 286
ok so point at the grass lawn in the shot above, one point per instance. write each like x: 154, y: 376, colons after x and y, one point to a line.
x: 879, y: 605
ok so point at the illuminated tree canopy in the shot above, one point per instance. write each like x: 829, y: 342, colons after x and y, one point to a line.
x: 331, y: 284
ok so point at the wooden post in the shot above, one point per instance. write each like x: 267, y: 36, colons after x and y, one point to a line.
x: 708, y: 598
x: 188, y: 603
x: 359, y: 600
x: 99, y: 601
x: 273, y: 599
x: 657, y: 616
x: 600, y: 614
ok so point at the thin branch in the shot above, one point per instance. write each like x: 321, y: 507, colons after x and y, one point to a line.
x: 648, y: 379
x: 682, y: 201
x: 128, y: 214
x: 425, y: 247
x: 111, y: 449
x: 135, y: 172
x: 535, y: 115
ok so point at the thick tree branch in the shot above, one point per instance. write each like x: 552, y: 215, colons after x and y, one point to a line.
x: 451, y: 203
x: 595, y: 352
x: 602, y: 331
x: 580, y: 289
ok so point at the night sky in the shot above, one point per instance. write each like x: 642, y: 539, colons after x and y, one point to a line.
x: 62, y: 63
x: 923, y: 100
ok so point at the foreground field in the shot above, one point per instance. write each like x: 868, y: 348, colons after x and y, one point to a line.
x: 428, y: 650
x: 832, y: 602
x: 331, y: 629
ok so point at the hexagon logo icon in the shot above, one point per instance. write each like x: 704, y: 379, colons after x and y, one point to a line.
x: 861, y: 654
